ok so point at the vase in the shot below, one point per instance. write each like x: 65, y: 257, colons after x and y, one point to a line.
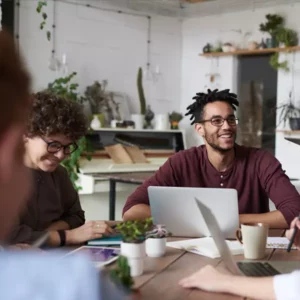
x: 138, y: 120
x: 135, y: 253
x: 95, y: 123
x: 174, y: 125
x: 156, y: 247
x: 161, y: 122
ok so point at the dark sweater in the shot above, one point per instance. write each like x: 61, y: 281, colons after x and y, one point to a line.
x: 53, y: 199
x: 255, y: 174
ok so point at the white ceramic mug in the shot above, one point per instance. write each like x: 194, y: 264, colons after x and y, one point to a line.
x: 254, y: 238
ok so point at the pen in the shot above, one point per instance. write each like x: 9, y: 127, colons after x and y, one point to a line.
x: 293, y: 237
x: 40, y: 241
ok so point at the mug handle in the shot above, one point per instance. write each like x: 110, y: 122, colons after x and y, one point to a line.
x: 238, y: 235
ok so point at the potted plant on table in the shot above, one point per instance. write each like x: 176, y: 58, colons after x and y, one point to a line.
x: 133, y: 243
x: 156, y: 241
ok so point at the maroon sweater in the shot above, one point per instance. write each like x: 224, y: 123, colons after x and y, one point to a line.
x: 255, y: 174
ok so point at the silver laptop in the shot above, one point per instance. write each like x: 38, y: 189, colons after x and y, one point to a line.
x: 176, y: 208
x: 261, y: 268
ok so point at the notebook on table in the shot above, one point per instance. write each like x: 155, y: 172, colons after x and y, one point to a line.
x: 106, y: 241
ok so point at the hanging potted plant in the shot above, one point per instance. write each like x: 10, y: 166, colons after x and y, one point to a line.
x: 133, y: 243
x: 156, y: 241
x: 289, y: 112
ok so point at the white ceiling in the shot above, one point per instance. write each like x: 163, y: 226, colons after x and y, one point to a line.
x: 178, y: 8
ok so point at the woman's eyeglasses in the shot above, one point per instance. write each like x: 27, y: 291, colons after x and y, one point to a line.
x: 54, y: 147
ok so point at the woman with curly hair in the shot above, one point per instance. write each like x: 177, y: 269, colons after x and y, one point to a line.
x: 54, y: 126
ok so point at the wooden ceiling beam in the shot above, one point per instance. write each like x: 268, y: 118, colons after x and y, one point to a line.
x: 195, y: 1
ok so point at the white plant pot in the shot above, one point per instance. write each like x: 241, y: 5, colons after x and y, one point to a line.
x: 135, y: 253
x: 138, y: 120
x: 156, y: 247
x: 162, y: 122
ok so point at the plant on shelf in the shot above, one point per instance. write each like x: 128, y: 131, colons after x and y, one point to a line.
x: 286, y: 36
x: 40, y: 10
x: 271, y: 26
x: 102, y: 102
x: 121, y: 274
x: 289, y: 112
x: 64, y: 87
x: 280, y: 35
x: 174, y: 119
x: 141, y: 92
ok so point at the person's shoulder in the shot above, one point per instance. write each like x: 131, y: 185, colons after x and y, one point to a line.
x: 188, y: 154
x: 254, y: 153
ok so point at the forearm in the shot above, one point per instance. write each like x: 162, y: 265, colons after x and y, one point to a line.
x: 254, y: 288
x: 59, y: 225
x: 54, y: 238
x: 274, y: 219
x: 137, y: 212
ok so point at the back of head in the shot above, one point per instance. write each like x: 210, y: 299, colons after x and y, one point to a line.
x: 15, y: 101
x: 201, y: 99
x: 14, y: 84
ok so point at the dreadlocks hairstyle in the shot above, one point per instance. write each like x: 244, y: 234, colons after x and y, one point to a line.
x: 201, y: 99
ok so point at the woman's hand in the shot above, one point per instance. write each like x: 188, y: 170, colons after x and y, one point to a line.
x: 289, y: 233
x: 90, y: 230
x: 207, y: 279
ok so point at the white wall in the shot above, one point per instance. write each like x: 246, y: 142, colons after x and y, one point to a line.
x: 105, y: 45
x: 199, y: 31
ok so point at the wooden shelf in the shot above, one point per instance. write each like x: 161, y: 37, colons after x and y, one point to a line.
x: 252, y: 52
x: 289, y: 131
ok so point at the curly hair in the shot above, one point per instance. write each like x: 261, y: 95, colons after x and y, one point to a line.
x: 52, y: 114
x: 201, y: 99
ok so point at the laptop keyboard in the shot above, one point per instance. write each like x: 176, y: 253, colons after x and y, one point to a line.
x: 258, y: 269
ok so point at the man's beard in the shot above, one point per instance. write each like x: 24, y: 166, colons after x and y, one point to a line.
x: 217, y: 147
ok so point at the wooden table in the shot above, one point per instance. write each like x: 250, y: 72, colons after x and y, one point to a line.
x: 161, y: 275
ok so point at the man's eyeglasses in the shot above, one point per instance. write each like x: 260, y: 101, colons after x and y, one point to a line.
x: 219, y: 121
x: 54, y: 147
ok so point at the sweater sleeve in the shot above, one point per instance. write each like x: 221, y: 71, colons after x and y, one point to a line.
x: 73, y: 213
x: 166, y: 175
x: 24, y: 234
x: 286, y: 286
x: 278, y: 186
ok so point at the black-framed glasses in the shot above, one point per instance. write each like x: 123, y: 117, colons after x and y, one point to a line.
x: 54, y: 147
x: 219, y: 121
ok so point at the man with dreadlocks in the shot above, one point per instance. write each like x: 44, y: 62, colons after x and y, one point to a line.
x: 221, y: 163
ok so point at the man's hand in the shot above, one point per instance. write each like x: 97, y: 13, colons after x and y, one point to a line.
x: 90, y: 230
x: 207, y: 279
x: 289, y: 233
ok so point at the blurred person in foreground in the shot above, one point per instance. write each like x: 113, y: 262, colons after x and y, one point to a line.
x: 28, y: 275
x: 279, y: 287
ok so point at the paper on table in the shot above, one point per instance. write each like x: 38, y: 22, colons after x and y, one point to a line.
x: 278, y: 243
x: 206, y: 246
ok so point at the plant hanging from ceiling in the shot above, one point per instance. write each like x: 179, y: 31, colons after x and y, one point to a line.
x: 40, y: 10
